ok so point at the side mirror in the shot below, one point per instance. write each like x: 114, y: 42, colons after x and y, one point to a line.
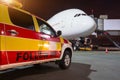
x: 59, y: 33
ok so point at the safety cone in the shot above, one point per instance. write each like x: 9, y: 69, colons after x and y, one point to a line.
x: 106, y: 50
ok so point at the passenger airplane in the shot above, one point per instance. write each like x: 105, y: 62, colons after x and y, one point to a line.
x: 73, y: 23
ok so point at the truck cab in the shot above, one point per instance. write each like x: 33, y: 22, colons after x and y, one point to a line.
x: 26, y: 39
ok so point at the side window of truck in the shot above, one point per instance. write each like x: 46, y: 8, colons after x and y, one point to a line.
x: 45, y: 28
x: 21, y: 19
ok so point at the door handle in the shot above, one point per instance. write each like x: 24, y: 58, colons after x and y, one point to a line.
x: 13, y: 32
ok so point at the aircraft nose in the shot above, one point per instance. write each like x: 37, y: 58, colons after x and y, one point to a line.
x: 88, y: 25
x: 88, y: 22
x: 83, y: 25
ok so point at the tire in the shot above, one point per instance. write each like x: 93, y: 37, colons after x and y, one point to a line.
x: 66, y: 60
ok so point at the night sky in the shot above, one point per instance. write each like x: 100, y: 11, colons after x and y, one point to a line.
x: 47, y: 8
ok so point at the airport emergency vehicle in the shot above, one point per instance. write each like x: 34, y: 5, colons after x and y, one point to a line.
x: 26, y: 39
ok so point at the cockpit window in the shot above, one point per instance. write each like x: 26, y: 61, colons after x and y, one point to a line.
x: 77, y: 15
x: 83, y: 14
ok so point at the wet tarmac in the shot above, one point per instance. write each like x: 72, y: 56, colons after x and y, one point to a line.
x: 86, y: 65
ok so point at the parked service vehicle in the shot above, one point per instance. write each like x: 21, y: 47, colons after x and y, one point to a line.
x: 26, y: 39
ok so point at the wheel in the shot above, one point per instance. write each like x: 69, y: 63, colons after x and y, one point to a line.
x: 66, y: 61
